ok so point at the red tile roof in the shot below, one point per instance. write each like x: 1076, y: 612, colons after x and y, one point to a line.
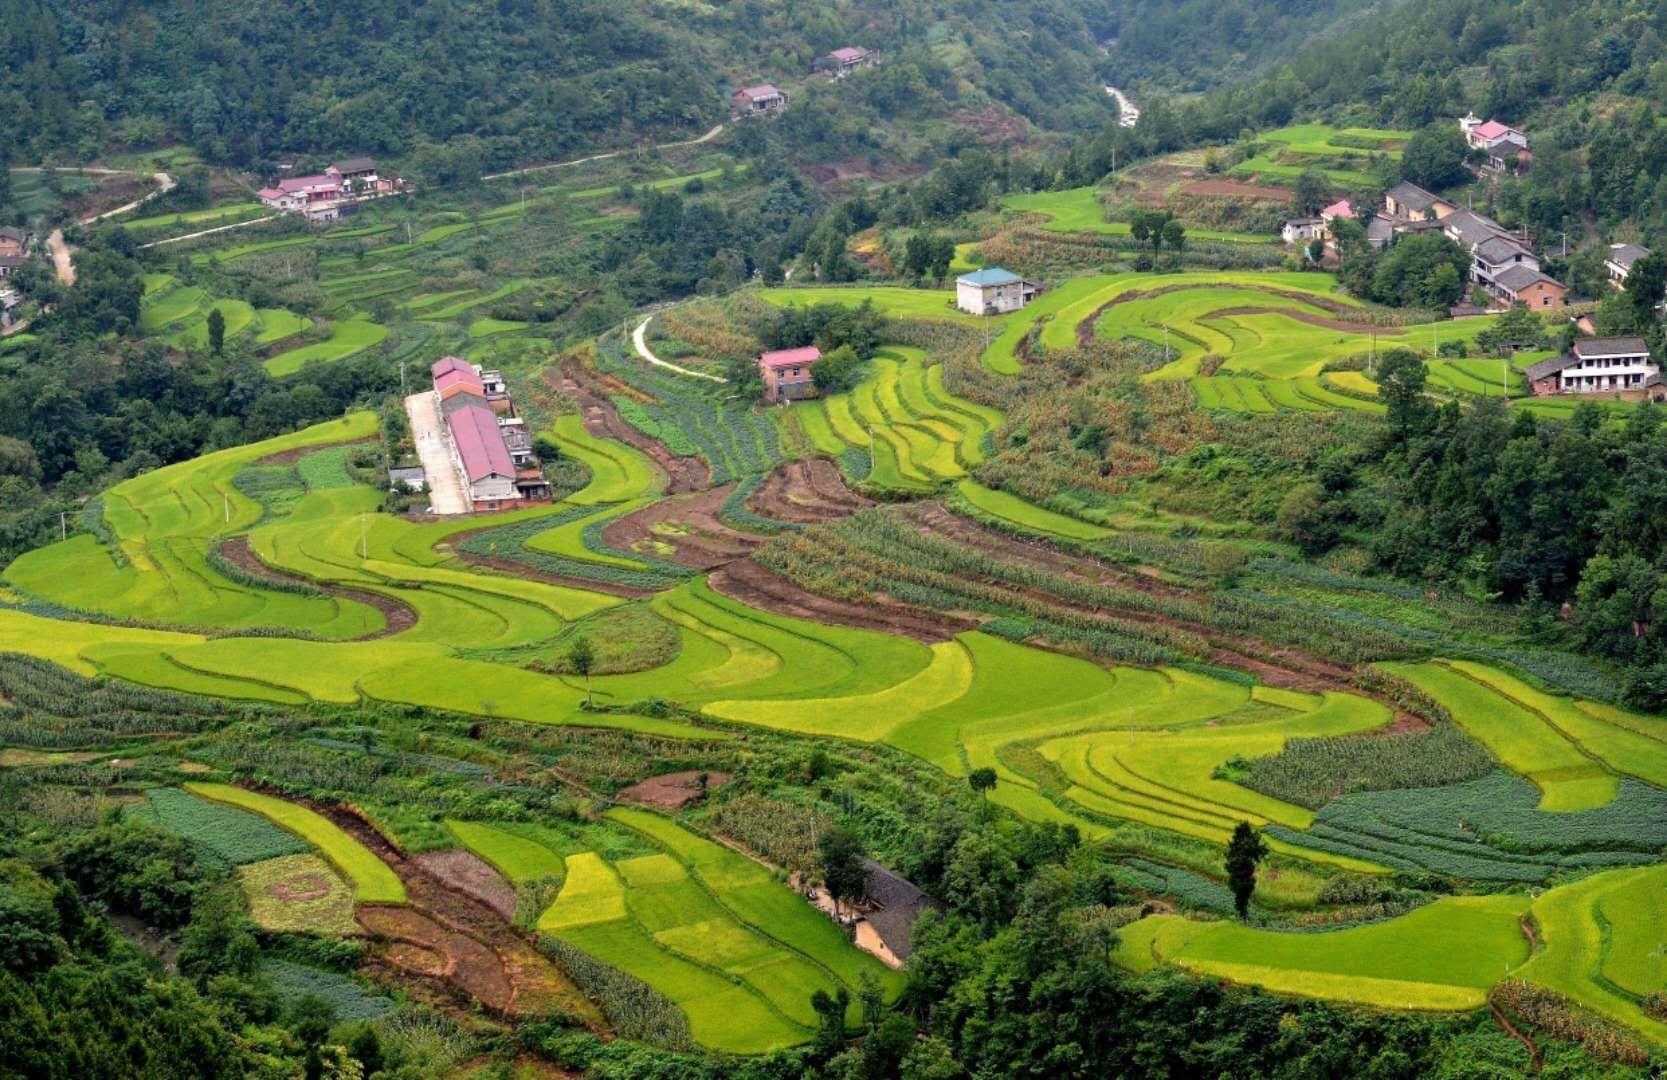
x: 753, y: 93
x: 479, y: 443
x: 1493, y: 129
x: 310, y: 183
x: 790, y: 357
x: 459, y: 380
x: 1340, y: 208
x: 848, y: 54
x: 270, y: 193
x: 450, y: 363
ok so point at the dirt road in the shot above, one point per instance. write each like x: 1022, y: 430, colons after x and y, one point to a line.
x: 708, y: 137
x: 164, y: 184
x: 639, y: 338
x: 60, y: 257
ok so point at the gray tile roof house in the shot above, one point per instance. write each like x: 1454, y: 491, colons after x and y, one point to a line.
x: 1470, y: 228
x: 1596, y: 348
x: 1624, y: 255
x: 1517, y: 278
x: 895, y: 905
x: 1499, y: 250
x: 1413, y: 197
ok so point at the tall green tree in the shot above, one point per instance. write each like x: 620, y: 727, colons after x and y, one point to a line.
x: 1400, y: 376
x: 581, y: 657
x: 216, y: 332
x: 1244, y: 852
x: 840, y: 855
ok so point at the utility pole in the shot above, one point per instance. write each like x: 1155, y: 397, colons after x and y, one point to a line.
x: 226, y: 497
x: 364, y: 536
x: 402, y: 392
x: 63, y: 526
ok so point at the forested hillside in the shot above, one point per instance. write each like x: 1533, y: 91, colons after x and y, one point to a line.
x: 501, y: 81
x: 1200, y: 44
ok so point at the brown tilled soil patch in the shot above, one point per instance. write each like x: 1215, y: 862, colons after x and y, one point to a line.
x: 194, y: 767
x: 290, y: 457
x: 300, y: 887
x: 397, y: 616
x: 1237, y: 188
x: 590, y: 389
x: 468, y: 873
x: 752, y: 584
x: 672, y: 791
x: 806, y: 492
x: 685, y: 530
x: 486, y: 960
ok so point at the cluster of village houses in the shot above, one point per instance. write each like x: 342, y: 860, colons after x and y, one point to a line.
x: 335, y: 191
x: 1503, y: 264
x: 14, y: 252
x: 766, y: 100
x: 487, y: 443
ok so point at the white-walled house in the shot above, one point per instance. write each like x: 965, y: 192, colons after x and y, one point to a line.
x: 1597, y: 365
x: 993, y: 291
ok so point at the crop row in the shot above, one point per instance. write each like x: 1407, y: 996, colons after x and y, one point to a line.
x: 510, y: 542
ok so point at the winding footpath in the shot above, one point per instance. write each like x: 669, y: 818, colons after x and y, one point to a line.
x: 639, y: 338
x: 210, y: 232
x: 708, y: 137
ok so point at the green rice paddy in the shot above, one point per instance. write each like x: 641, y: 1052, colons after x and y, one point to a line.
x: 1080, y: 210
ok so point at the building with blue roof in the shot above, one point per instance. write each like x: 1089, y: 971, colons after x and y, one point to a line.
x: 993, y: 291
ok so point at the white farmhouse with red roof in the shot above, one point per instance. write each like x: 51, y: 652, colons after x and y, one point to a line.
x: 786, y: 373
x: 488, y: 446
x: 757, y: 100
x: 841, y: 62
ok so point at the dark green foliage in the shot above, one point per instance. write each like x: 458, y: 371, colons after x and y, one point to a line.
x: 1312, y: 772
x: 1434, y: 157
x: 135, y: 868
x: 1244, y: 851
x: 1424, y: 269
x: 827, y: 326
x: 982, y: 780
x: 927, y: 255
x: 1400, y: 376
x: 216, y: 332
x: 838, y: 370
x: 840, y: 857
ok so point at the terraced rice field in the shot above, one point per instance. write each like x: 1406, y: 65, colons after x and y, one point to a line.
x: 739, y: 954
x: 1443, y: 957
x: 917, y: 434
x: 347, y: 338
x: 373, y: 882
x: 1080, y: 210
x: 1343, y: 155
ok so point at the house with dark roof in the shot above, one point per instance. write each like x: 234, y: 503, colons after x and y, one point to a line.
x: 1511, y: 152
x: 1620, y: 260
x: 14, y: 243
x: 760, y: 100
x: 786, y: 373
x: 1522, y: 285
x: 9, y: 264
x: 354, y: 168
x: 1407, y: 201
x: 1300, y: 230
x: 1379, y: 231
x: 841, y: 62
x: 892, y: 905
x: 1597, y: 365
x: 993, y: 291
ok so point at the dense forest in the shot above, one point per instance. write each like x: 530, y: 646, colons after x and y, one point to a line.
x: 499, y: 82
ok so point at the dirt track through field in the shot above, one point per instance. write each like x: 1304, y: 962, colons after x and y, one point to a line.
x: 1235, y: 188
x: 446, y: 939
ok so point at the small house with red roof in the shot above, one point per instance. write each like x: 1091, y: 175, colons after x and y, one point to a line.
x: 760, y: 100
x: 841, y: 62
x: 490, y: 448
x: 787, y: 375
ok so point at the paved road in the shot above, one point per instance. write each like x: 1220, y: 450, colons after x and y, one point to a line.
x: 209, y: 232
x: 446, y: 492
x: 708, y: 137
x: 639, y: 338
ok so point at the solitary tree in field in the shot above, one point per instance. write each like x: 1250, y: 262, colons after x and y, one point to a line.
x: 842, y: 869
x: 217, y: 332
x: 1400, y: 377
x: 982, y: 780
x: 1244, y: 851
x: 1174, y: 235
x: 582, y: 658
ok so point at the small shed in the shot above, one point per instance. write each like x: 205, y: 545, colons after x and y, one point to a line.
x: 893, y: 904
